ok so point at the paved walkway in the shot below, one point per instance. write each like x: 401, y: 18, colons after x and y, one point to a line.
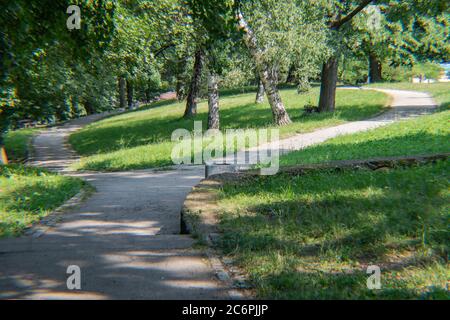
x: 125, y: 237
x: 404, y: 105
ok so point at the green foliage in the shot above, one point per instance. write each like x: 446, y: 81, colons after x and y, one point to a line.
x: 398, y: 34
x: 17, y: 143
x: 428, y: 70
x: 289, y: 33
x: 49, y: 73
x: 35, y: 48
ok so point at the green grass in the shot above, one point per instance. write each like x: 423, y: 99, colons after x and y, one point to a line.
x: 313, y: 236
x: 424, y: 135
x: 29, y: 194
x: 141, y: 139
x: 17, y: 142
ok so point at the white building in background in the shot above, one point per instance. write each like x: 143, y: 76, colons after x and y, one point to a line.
x: 444, y: 77
x: 422, y: 80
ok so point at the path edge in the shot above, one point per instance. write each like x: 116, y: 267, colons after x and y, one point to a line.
x: 198, y: 218
x: 55, y: 216
x: 199, y: 213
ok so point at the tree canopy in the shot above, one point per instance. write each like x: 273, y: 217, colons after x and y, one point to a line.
x: 134, y: 49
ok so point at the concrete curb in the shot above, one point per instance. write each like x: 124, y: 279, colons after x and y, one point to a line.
x: 202, y: 224
x: 55, y: 216
x: 200, y: 209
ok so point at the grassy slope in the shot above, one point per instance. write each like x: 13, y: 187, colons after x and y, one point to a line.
x: 424, y: 135
x: 141, y: 139
x: 313, y: 236
x: 16, y: 143
x: 28, y: 194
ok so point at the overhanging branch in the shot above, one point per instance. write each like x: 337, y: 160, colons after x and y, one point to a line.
x: 338, y: 23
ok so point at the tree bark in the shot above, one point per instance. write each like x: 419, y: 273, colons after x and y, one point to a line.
x: 260, y: 93
x: 291, y: 75
x: 129, y: 94
x: 180, y: 90
x: 194, y: 88
x: 3, y: 156
x: 75, y: 106
x: 327, y: 100
x: 266, y: 74
x: 122, y: 95
x: 213, y: 101
x: 374, y: 69
x: 88, y: 107
x: 180, y: 82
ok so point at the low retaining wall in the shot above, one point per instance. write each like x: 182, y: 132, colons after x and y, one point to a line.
x: 199, y: 214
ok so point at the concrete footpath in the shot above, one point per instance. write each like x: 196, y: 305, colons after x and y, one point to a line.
x: 125, y: 237
x: 404, y: 105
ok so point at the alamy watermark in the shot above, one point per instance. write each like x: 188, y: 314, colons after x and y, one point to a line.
x: 374, y: 17
x: 374, y: 280
x: 74, y: 280
x: 74, y: 20
x: 241, y: 147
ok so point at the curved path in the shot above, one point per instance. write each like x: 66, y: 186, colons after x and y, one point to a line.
x: 404, y: 105
x: 125, y: 237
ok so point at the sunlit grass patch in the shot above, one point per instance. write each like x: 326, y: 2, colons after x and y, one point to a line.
x: 17, y: 143
x: 424, y: 135
x: 141, y: 139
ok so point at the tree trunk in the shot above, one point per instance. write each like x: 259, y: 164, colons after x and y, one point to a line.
x: 291, y: 75
x: 374, y: 69
x: 88, y: 107
x: 266, y: 74
x: 213, y: 101
x: 3, y: 157
x: 260, y: 93
x: 76, y: 112
x: 327, y: 100
x: 180, y: 81
x: 129, y: 94
x: 194, y: 88
x: 180, y: 90
x: 122, y: 95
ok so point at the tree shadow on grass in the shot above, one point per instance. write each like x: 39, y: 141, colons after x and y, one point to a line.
x: 122, y: 134
x: 340, y: 223
x: 319, y: 285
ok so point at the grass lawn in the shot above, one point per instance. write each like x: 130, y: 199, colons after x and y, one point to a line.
x: 29, y: 194
x: 16, y: 143
x: 141, y: 139
x: 313, y: 236
x: 424, y: 135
